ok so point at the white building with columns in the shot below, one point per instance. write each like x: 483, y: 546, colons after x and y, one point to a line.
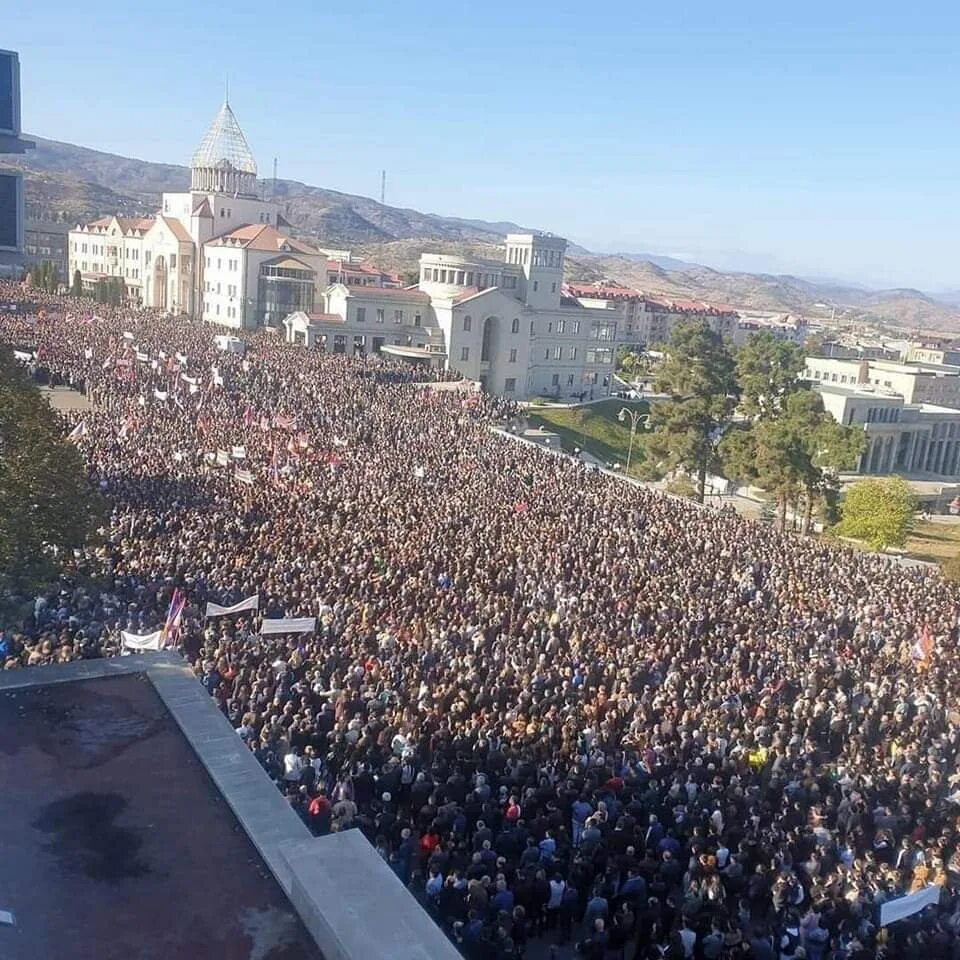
x: 216, y: 251
x: 506, y: 324
x: 908, y: 432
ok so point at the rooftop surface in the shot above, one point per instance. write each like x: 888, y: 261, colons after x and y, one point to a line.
x: 117, y: 843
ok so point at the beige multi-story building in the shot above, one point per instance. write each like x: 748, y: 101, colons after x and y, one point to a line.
x: 910, y: 414
x: 648, y: 321
x: 506, y: 324
x: 915, y: 383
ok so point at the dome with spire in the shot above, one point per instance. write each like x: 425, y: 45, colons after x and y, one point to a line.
x: 224, y: 162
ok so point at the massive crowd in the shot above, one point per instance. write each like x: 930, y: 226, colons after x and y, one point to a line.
x: 572, y: 714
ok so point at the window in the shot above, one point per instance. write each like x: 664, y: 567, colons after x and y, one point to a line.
x: 218, y: 288
x: 510, y: 385
x: 561, y: 326
x: 173, y: 261
x: 599, y: 355
x: 443, y: 276
x: 464, y: 353
x: 166, y: 206
x: 576, y: 326
x: 509, y: 283
x: 222, y: 211
x: 513, y: 355
x: 416, y: 319
x: 467, y: 321
x: 208, y: 263
x: 398, y: 316
x: 553, y: 288
x: 380, y: 314
x: 531, y: 328
x: 573, y: 353
x: 558, y: 353
x: 546, y: 354
x: 515, y: 326
x: 555, y: 380
x: 550, y: 327
x: 362, y: 314
x: 470, y: 278
x: 569, y: 379
x: 460, y: 278
x: 536, y: 286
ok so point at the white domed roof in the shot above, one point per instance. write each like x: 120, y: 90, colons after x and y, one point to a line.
x: 224, y: 144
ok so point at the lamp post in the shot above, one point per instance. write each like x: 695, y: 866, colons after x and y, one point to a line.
x: 635, y: 418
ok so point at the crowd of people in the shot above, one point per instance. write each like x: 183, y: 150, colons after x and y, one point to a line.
x: 573, y: 715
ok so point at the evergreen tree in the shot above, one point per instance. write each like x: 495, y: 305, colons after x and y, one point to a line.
x: 46, y: 504
x: 698, y: 375
x: 77, y: 287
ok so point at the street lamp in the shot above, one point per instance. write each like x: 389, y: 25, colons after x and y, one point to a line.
x: 635, y: 418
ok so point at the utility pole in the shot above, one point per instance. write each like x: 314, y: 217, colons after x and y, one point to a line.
x: 273, y: 188
x: 383, y: 185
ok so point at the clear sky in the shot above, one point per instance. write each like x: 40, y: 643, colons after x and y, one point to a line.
x: 816, y: 138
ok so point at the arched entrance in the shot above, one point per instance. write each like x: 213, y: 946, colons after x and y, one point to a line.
x: 489, y: 334
x: 160, y: 283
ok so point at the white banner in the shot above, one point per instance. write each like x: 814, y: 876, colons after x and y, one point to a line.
x: 88, y: 353
x: 181, y: 358
x: 289, y: 625
x: 239, y: 452
x: 894, y: 910
x: 160, y: 394
x: 146, y: 641
x: 127, y: 335
x: 22, y: 356
x: 251, y: 603
x: 223, y: 458
x: 244, y: 476
x: 142, y: 357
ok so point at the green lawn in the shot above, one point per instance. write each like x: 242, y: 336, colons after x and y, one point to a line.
x: 594, y: 427
x: 934, y: 541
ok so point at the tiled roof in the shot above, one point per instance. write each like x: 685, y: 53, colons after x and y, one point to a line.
x: 603, y: 292
x: 262, y: 236
x: 177, y: 229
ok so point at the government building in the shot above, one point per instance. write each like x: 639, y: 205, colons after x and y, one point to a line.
x: 219, y: 252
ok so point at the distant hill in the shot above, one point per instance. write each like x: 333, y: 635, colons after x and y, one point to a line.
x: 72, y: 183
x: 67, y: 182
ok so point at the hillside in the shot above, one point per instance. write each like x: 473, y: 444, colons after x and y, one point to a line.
x: 71, y: 183
x: 68, y: 182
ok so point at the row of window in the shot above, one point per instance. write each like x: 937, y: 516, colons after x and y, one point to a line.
x: 361, y: 316
x: 468, y: 278
x: 209, y: 287
x: 232, y: 265
x: 883, y: 414
x: 229, y: 312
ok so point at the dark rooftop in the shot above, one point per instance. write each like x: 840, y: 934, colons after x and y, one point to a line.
x: 117, y: 844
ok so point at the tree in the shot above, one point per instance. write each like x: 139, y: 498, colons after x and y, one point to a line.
x: 698, y: 374
x: 76, y: 288
x: 46, y: 504
x: 793, y: 454
x: 767, y: 370
x: 44, y: 276
x: 877, y: 511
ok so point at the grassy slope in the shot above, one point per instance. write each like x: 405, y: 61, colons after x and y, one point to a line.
x: 600, y: 433
x: 934, y: 541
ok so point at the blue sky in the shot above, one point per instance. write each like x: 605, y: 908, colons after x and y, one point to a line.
x: 818, y: 138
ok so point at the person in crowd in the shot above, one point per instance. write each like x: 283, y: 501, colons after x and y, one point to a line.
x: 563, y: 708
